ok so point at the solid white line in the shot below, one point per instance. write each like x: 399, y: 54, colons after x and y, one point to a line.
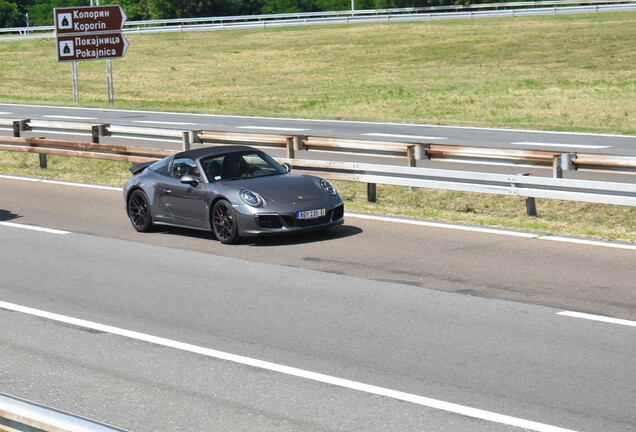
x: 493, y: 231
x: 10, y: 177
x: 163, y: 122
x: 69, y: 117
x: 34, y: 228
x: 601, y: 318
x: 390, y: 219
x: 273, y: 128
x: 84, y: 185
x: 405, y: 136
x: 291, y: 371
x: 325, y: 121
x: 581, y: 146
x: 588, y: 242
x: 62, y: 183
x: 442, y: 225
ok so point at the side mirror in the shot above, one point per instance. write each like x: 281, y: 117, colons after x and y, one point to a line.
x: 189, y: 179
x: 287, y: 166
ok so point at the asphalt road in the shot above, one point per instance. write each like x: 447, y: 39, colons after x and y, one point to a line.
x: 468, y: 136
x: 438, y: 314
x: 623, y: 145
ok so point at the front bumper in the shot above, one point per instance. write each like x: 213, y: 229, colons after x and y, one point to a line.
x: 266, y: 223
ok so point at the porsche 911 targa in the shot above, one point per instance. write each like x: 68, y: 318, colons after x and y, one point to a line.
x: 233, y: 191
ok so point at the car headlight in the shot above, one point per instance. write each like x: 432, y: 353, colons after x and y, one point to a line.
x: 251, y: 198
x: 328, y: 187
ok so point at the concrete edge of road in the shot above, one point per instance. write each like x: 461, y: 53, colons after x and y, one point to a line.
x: 392, y: 219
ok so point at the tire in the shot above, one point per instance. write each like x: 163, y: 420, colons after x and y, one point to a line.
x: 139, y: 211
x: 224, y: 224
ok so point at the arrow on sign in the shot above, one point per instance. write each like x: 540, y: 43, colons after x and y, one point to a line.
x: 91, y: 46
x: 89, y: 19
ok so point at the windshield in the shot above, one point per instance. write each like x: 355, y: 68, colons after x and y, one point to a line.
x: 240, y: 165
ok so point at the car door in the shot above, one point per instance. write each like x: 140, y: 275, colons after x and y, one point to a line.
x: 185, y: 204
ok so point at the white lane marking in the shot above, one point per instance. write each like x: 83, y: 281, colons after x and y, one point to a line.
x: 10, y: 177
x: 69, y: 117
x: 421, y: 137
x: 5, y: 112
x: 63, y: 183
x: 285, y: 129
x: 388, y: 219
x: 542, y: 144
x: 34, y: 228
x: 163, y: 122
x: 493, y: 231
x: 442, y: 225
x: 101, y: 110
x: 291, y: 371
x: 588, y: 242
x: 86, y: 185
x: 601, y: 318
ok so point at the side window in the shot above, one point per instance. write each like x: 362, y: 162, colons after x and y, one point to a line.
x: 185, y: 166
x: 159, y: 167
x: 212, y: 168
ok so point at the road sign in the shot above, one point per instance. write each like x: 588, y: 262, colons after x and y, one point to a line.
x: 91, y: 46
x: 88, y: 19
x: 90, y: 33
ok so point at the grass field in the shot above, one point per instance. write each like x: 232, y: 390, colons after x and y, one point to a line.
x: 574, y: 72
x: 564, y: 73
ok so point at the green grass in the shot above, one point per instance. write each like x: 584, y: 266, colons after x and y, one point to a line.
x: 575, y: 73
x: 564, y: 73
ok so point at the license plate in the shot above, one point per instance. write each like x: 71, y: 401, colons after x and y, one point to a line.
x: 310, y: 214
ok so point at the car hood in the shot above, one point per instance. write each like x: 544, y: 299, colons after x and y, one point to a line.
x: 284, y: 188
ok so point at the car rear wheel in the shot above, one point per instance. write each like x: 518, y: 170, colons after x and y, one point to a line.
x: 224, y: 223
x: 139, y: 211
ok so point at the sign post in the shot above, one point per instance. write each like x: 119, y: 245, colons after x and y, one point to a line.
x: 90, y: 33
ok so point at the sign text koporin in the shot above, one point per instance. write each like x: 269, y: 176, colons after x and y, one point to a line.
x: 89, y: 19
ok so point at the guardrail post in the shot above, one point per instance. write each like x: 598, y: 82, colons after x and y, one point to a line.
x: 531, y: 207
x: 43, y: 161
x: 299, y: 143
x: 420, y: 151
x: 290, y: 148
x: 185, y: 140
x: 99, y: 130
x: 19, y: 126
x: 95, y: 134
x: 371, y: 192
x: 531, y: 203
x: 410, y: 155
x: 195, y: 137
x: 557, y: 167
x: 562, y: 162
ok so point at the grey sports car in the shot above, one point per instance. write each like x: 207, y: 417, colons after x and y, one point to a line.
x: 234, y: 191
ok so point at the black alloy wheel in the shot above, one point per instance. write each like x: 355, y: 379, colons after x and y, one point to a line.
x: 224, y: 223
x: 139, y: 211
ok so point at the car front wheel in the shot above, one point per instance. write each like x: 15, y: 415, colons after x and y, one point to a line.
x: 224, y: 222
x: 139, y: 211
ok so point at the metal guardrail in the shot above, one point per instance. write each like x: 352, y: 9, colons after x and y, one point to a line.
x: 411, y: 152
x: 502, y: 184
x: 466, y: 181
x: 272, y: 20
x: 24, y: 416
x: 82, y: 149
